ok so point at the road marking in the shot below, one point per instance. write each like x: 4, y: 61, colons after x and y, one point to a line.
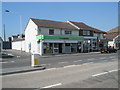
x: 51, y: 69
x: 62, y: 62
x: 4, y: 62
x: 12, y: 61
x: 87, y: 63
x: 104, y: 73
x: 113, y: 70
x: 77, y: 61
x: 18, y: 56
x: 91, y: 59
x: 69, y: 66
x: 8, y: 62
x: 52, y: 85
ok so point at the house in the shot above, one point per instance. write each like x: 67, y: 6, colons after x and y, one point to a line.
x: 1, y: 44
x: 51, y: 37
x: 95, y: 36
x: 54, y: 37
x: 16, y: 37
x: 18, y: 42
x: 114, y: 36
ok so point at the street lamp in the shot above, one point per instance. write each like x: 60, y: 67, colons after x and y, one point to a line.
x: 20, y: 27
x: 4, y: 28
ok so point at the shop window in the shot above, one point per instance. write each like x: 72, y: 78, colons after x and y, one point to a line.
x: 51, y: 31
x: 67, y: 44
x: 56, y: 45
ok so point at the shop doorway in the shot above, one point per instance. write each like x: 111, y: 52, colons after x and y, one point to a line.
x: 60, y: 47
x: 67, y: 48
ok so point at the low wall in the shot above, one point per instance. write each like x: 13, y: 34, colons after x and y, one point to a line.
x: 18, y: 45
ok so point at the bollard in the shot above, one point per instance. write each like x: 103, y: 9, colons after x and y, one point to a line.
x: 35, y: 60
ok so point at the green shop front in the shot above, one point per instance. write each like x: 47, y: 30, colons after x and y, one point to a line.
x: 51, y: 44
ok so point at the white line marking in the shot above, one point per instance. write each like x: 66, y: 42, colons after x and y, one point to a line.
x: 4, y: 62
x: 18, y: 56
x: 69, y: 66
x: 77, y: 61
x: 113, y: 70
x: 52, y: 85
x: 103, y: 73
x: 62, y: 62
x: 8, y: 62
x: 87, y: 63
x: 91, y: 59
x: 12, y: 61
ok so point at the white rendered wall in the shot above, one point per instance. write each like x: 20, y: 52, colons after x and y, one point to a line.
x: 111, y: 43
x: 30, y: 37
x: 45, y: 31
x: 17, y: 45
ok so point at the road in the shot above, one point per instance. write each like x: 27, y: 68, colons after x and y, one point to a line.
x: 71, y: 71
x: 22, y: 59
x: 90, y: 75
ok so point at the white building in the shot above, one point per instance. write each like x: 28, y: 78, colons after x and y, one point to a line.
x: 116, y: 42
x: 18, y: 42
x: 113, y: 36
x: 53, y: 37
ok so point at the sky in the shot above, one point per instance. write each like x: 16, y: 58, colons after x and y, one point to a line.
x: 100, y: 15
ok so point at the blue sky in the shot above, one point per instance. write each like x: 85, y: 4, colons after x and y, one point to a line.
x: 100, y: 15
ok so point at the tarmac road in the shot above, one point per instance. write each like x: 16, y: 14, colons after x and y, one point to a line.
x: 92, y: 75
x: 23, y: 59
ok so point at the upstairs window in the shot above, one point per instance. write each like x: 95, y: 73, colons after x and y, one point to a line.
x: 85, y: 32
x: 68, y: 32
x: 51, y: 31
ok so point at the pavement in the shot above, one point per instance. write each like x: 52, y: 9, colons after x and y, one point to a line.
x: 74, y: 54
x: 20, y: 70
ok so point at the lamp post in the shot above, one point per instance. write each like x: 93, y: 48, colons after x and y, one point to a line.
x: 20, y: 27
x: 4, y: 33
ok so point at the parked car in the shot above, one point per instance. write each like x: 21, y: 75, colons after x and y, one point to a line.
x: 108, y: 50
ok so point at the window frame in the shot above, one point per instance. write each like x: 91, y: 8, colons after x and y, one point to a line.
x: 51, y: 31
x: 68, y: 32
x: 86, y: 32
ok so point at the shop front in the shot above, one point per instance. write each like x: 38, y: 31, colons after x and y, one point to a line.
x: 49, y: 44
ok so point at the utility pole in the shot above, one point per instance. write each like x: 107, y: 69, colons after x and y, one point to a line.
x: 4, y: 33
x: 21, y: 31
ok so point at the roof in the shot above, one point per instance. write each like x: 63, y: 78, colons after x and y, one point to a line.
x: 52, y: 24
x: 84, y: 26
x: 116, y: 29
x: 111, y: 35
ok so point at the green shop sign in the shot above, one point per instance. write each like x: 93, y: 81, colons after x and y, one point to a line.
x: 50, y: 37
